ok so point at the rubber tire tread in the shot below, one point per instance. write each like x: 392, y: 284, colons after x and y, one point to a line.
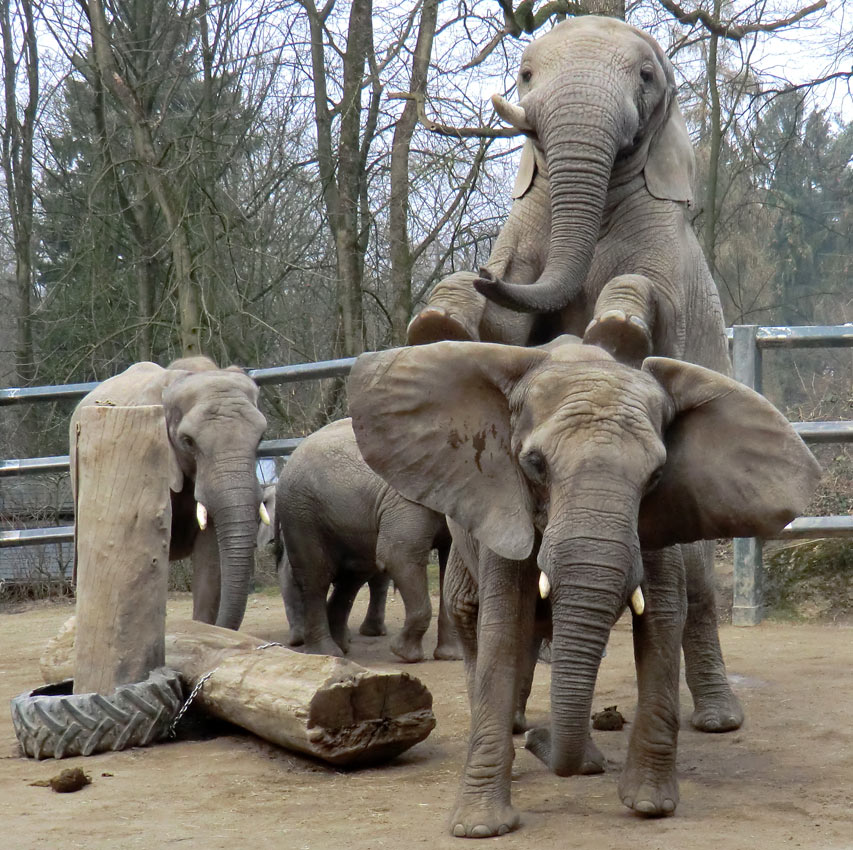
x: 133, y: 715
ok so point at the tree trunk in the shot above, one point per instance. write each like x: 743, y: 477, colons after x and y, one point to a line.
x: 122, y: 531
x: 401, y: 255
x: 329, y: 708
x: 189, y: 299
x: 17, y: 164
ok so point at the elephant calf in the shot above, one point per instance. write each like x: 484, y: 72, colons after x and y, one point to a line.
x: 339, y: 524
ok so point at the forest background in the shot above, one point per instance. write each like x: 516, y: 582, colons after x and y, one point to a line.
x: 272, y: 181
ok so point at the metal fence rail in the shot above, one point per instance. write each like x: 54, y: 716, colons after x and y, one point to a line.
x: 748, y: 341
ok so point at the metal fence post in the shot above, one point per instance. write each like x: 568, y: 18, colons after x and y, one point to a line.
x: 747, y: 607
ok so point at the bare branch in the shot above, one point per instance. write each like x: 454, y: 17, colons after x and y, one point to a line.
x: 730, y: 30
x: 454, y: 132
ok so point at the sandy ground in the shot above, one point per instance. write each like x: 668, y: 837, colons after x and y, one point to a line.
x: 784, y: 780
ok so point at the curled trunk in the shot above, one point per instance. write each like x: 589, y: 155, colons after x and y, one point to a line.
x: 580, y: 139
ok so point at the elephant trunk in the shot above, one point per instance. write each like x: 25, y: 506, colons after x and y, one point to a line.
x: 580, y: 130
x: 588, y: 595
x: 233, y: 504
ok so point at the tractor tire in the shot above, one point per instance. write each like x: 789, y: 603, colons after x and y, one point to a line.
x: 54, y: 722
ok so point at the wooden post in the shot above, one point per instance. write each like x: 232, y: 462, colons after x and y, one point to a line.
x: 123, y: 517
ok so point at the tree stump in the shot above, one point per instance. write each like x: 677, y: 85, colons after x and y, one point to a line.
x: 326, y: 707
x: 123, y: 517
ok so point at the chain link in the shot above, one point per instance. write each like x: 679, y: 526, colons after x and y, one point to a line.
x: 198, y: 686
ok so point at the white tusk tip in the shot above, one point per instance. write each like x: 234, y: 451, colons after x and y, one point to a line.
x: 201, y: 515
x: 265, y: 516
x: 638, y: 603
x: 544, y: 585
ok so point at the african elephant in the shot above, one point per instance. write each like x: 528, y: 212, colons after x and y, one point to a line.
x: 566, y: 468
x: 214, y: 427
x: 598, y: 244
x: 342, y: 526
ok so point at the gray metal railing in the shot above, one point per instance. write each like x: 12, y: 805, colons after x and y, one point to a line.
x: 748, y: 341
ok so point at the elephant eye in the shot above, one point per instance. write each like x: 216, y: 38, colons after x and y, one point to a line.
x: 187, y: 442
x: 525, y: 75
x: 647, y: 73
x: 654, y: 480
x: 534, y: 466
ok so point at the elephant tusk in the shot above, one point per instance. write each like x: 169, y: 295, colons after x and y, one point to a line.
x: 638, y: 604
x: 201, y: 515
x: 265, y: 515
x: 511, y: 113
x: 544, y: 585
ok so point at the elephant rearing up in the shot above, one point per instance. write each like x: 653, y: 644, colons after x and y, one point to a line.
x: 214, y: 427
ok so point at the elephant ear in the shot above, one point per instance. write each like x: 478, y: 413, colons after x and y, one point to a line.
x: 526, y: 171
x: 434, y: 422
x: 671, y: 165
x: 735, y: 466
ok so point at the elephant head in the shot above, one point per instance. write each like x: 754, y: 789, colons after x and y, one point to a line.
x: 598, y: 100
x: 566, y: 449
x: 214, y: 426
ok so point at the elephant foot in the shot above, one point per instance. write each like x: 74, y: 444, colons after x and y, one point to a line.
x: 325, y: 647
x: 434, y: 324
x: 646, y: 793
x: 409, y: 651
x: 627, y: 338
x: 718, y: 714
x: 519, y: 723
x: 538, y: 741
x: 372, y: 628
x: 296, y: 637
x: 482, y: 821
x: 447, y: 651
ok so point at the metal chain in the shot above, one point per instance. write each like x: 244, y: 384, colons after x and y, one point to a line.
x: 198, y: 686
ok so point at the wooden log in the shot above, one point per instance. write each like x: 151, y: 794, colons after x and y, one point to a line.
x: 123, y: 517
x: 329, y: 708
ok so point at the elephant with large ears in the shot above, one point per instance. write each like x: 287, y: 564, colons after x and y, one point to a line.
x: 598, y: 244
x: 214, y: 427
x: 564, y: 468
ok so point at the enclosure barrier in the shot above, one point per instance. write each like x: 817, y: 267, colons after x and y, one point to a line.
x: 748, y: 342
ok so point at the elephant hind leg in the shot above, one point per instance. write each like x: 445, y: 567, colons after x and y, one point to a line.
x: 406, y: 563
x: 624, y: 319
x: 373, y: 624
x: 715, y: 706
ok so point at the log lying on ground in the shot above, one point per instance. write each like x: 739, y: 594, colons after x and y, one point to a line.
x: 329, y: 708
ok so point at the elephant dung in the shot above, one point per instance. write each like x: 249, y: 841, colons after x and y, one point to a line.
x: 329, y: 708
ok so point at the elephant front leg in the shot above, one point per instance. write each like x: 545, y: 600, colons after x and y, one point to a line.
x: 624, y: 318
x: 648, y: 784
x: 206, y: 576
x: 715, y: 706
x: 453, y: 312
x: 483, y: 805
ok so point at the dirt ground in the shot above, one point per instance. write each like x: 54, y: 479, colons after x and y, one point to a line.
x: 784, y: 780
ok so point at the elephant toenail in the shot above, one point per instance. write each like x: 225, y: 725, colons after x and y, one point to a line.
x: 459, y: 831
x: 503, y: 829
x: 668, y: 806
x: 481, y: 831
x: 646, y: 807
x: 619, y: 315
x: 636, y: 320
